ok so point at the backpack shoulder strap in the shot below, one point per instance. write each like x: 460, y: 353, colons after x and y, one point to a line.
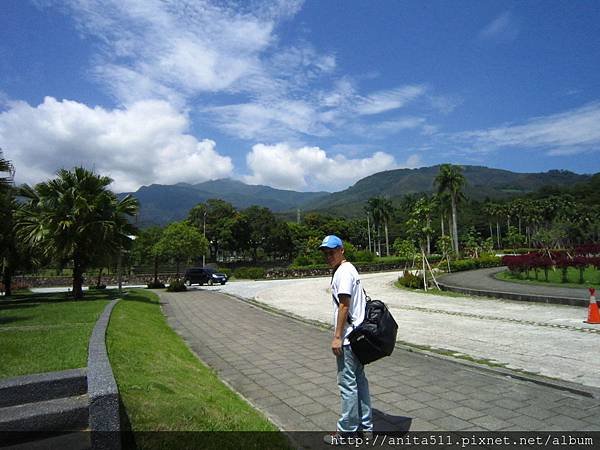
x: 337, y: 303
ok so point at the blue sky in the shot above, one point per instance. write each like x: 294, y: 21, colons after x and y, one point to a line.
x: 298, y: 95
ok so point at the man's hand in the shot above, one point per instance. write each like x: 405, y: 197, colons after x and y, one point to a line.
x: 336, y: 346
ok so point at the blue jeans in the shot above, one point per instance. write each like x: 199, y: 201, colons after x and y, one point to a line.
x: 354, y: 390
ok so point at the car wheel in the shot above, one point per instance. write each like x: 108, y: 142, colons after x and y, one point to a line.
x: 222, y: 283
x: 189, y: 282
x: 210, y: 282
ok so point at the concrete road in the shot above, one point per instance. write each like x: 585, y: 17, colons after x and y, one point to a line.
x: 549, y: 340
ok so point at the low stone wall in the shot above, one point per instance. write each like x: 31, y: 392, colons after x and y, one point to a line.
x: 112, y: 280
x: 166, y: 277
x: 303, y: 273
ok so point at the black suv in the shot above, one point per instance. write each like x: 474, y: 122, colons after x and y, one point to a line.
x: 203, y: 275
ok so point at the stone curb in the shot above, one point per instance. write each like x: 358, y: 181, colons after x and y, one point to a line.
x: 570, y: 301
x: 515, y: 296
x: 579, y: 389
x: 102, y: 388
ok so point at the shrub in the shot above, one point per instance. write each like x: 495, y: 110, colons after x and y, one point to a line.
x: 459, y: 265
x: 177, y: 286
x: 411, y: 281
x: 226, y: 271
x: 364, y: 256
x: 302, y: 261
x: 157, y: 285
x: 97, y: 287
x: 249, y: 273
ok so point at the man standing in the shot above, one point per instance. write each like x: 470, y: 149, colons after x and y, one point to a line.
x: 349, y: 311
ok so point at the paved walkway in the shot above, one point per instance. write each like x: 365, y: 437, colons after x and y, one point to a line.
x: 546, y: 339
x: 484, y: 280
x: 285, y: 368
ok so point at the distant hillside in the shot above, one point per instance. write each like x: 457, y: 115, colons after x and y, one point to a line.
x: 482, y: 182
x: 162, y: 204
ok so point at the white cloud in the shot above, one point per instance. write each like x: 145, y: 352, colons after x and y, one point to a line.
x: 142, y: 144
x: 310, y: 168
x: 272, y: 121
x: 394, y: 126
x: 172, y: 48
x: 382, y: 101
x: 571, y: 132
x: 502, y: 28
x: 321, y: 114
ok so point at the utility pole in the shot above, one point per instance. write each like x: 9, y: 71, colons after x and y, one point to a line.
x: 298, y: 216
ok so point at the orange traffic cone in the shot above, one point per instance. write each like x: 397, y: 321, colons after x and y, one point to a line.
x: 594, y: 313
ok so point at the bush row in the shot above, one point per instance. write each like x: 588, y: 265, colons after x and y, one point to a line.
x: 482, y: 262
x: 562, y: 260
x: 249, y: 273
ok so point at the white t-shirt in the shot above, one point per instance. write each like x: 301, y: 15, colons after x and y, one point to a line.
x: 346, y: 281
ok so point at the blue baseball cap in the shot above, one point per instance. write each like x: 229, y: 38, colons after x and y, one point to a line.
x: 331, y: 241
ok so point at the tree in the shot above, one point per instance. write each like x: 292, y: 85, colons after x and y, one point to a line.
x: 215, y: 216
x: 515, y: 239
x: 381, y: 210
x: 451, y: 180
x: 261, y: 223
x: 472, y: 242
x: 419, y: 228
x: 405, y: 249
x: 7, y: 209
x: 279, y: 241
x: 75, y: 218
x: 181, y: 241
x: 144, y: 248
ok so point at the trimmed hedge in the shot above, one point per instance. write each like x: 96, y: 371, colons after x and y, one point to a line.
x: 249, y: 273
x: 460, y: 265
x: 226, y: 271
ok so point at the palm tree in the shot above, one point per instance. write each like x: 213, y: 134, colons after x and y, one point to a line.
x: 374, y: 209
x: 76, y: 218
x: 451, y: 180
x: 7, y: 239
x: 496, y: 211
x: 381, y: 209
x: 386, y: 214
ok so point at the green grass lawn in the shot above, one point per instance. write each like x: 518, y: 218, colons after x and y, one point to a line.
x: 47, y: 332
x: 591, y: 277
x: 164, y: 387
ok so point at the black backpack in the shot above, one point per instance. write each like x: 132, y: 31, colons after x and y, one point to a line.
x: 375, y: 337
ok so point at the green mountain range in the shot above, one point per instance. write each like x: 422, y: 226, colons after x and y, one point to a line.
x: 161, y: 204
x: 482, y: 183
